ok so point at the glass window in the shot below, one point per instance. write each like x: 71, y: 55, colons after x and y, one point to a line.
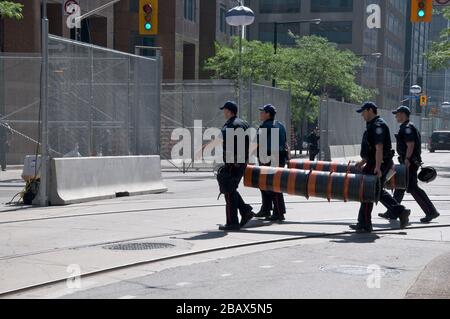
x: 223, y: 22
x: 331, y: 5
x: 190, y: 10
x: 279, y: 6
x: 338, y: 32
x: 266, y: 32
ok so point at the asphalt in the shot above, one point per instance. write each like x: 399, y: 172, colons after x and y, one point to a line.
x: 325, y: 260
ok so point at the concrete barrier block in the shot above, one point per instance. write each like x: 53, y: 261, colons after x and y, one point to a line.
x: 336, y: 151
x: 348, y: 151
x: 82, y: 179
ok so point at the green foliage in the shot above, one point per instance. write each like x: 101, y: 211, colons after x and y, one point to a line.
x: 257, y: 61
x: 10, y: 9
x: 439, y: 54
x: 312, y: 68
x: 315, y: 67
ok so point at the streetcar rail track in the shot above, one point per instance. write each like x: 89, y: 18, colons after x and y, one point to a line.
x: 200, y: 252
x: 118, y: 212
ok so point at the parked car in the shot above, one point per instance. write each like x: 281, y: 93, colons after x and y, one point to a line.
x: 440, y: 140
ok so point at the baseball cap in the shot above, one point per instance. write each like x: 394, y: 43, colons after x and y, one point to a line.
x: 367, y: 106
x: 230, y: 106
x: 403, y: 109
x: 269, y: 108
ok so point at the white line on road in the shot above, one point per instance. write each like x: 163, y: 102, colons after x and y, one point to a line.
x: 127, y: 297
x: 182, y: 284
x: 266, y: 266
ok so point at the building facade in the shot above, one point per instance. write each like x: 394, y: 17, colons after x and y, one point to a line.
x: 24, y: 36
x: 344, y: 22
x: 183, y: 47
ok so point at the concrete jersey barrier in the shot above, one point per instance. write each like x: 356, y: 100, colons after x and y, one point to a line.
x: 82, y: 179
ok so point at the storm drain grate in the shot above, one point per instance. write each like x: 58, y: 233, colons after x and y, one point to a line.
x: 138, y: 246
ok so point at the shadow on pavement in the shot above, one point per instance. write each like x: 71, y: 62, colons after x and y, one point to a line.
x: 208, y: 235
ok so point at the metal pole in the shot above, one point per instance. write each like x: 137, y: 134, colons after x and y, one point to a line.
x: 43, y: 188
x: 136, y: 104
x: 240, y: 67
x: 91, y: 102
x: 158, y: 99
x: 250, y: 102
x: 275, y: 45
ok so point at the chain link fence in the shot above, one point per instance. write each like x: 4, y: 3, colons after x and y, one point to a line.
x: 341, y: 128
x: 186, y: 102
x: 101, y: 102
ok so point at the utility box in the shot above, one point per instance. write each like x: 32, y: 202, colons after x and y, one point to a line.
x: 31, y: 167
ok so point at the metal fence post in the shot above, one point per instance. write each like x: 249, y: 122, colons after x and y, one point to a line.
x: 158, y: 98
x: 136, y: 105
x: 250, y: 102
x: 43, y: 188
x: 91, y: 100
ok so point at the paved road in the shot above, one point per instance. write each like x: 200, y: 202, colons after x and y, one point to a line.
x: 48, y: 244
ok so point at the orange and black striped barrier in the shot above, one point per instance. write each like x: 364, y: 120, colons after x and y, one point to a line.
x: 329, y: 185
x: 398, y: 181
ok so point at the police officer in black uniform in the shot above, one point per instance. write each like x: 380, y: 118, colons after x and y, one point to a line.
x: 377, y: 154
x: 281, y: 154
x: 409, y: 149
x: 313, y: 144
x: 230, y: 175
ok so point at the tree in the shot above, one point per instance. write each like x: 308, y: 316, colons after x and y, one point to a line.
x: 315, y: 67
x: 439, y: 54
x: 310, y: 69
x: 257, y: 61
x: 10, y: 9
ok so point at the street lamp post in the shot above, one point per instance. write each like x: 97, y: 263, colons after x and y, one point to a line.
x: 240, y: 16
x: 275, y: 34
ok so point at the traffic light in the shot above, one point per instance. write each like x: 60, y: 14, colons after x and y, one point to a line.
x: 148, y: 17
x: 421, y: 10
x: 423, y: 100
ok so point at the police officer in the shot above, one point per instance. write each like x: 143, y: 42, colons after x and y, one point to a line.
x: 313, y: 144
x: 409, y: 149
x: 230, y: 175
x: 376, y: 154
x: 281, y: 154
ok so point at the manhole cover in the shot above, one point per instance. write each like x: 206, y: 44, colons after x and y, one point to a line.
x: 138, y: 246
x: 358, y: 270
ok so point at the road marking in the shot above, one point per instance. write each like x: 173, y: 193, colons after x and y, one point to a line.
x: 226, y: 275
x: 127, y: 297
x: 266, y: 266
x: 297, y: 261
x: 182, y: 284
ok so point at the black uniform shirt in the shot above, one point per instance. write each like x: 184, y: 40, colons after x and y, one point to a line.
x: 269, y: 125
x: 408, y: 133
x: 313, y: 140
x: 235, y: 123
x: 377, y: 132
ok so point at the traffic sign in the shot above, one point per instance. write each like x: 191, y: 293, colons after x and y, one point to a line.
x: 68, y: 8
